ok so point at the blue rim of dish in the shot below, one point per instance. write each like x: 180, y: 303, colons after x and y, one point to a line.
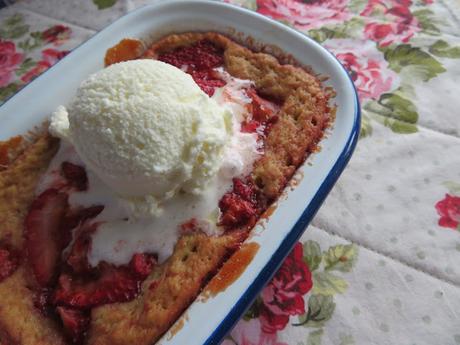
x: 300, y: 226
x: 305, y: 218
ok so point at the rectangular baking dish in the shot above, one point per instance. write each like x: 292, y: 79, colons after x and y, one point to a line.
x: 210, y: 317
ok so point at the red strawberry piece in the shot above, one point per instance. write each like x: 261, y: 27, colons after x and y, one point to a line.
x: 75, y: 218
x: 249, y: 126
x: 209, y: 86
x: 78, y: 255
x: 110, y: 285
x: 235, y: 211
x: 142, y: 264
x: 244, y: 189
x: 190, y: 226
x: 207, y: 80
x: 42, y: 234
x: 75, y: 323
x: 75, y: 175
x: 42, y: 301
x: 9, y: 260
x: 262, y: 109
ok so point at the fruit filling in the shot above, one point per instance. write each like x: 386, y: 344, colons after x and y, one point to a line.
x: 199, y: 60
x: 9, y: 259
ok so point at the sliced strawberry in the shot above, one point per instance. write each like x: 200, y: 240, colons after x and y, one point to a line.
x: 110, y: 285
x: 142, y: 264
x: 75, y: 323
x: 78, y: 255
x: 42, y: 235
x: 77, y: 216
x: 9, y: 260
x: 74, y: 218
x: 75, y: 175
x: 262, y: 109
x: 249, y: 126
x: 236, y: 211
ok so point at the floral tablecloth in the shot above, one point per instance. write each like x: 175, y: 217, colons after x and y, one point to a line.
x: 379, y: 264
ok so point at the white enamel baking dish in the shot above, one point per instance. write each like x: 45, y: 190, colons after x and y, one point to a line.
x: 208, y: 320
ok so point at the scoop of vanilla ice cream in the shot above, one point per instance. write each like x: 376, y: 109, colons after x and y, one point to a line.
x: 145, y: 128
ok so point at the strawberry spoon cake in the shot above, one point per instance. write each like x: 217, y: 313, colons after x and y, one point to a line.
x: 114, y: 219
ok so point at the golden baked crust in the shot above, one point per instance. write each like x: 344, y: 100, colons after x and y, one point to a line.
x: 302, y: 119
x: 20, y: 321
x: 175, y: 285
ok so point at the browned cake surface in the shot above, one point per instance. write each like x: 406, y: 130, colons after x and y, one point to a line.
x: 171, y: 287
x: 304, y: 113
x: 20, y: 321
x: 175, y: 286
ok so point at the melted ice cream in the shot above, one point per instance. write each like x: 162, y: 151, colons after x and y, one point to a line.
x: 124, y: 229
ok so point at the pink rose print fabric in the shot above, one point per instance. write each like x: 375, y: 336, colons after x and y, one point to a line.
x: 399, y: 27
x: 283, y: 296
x: 29, y: 54
x: 57, y: 34
x: 366, y: 65
x: 49, y: 57
x: 281, y: 299
x: 449, y: 211
x: 9, y: 61
x: 251, y: 333
x: 306, y: 14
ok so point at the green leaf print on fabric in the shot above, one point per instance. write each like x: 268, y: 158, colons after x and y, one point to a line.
x: 320, y: 310
x: 254, y: 310
x: 340, y: 258
x: 103, y: 4
x: 314, y: 338
x: 13, y: 27
x: 400, y: 127
x: 348, y: 29
x: 328, y: 284
x: 404, y: 55
x: 249, y: 4
x: 312, y: 254
x: 453, y: 187
x: 346, y: 339
x: 357, y: 6
x: 26, y: 65
x: 32, y: 42
x: 442, y: 49
x: 366, y: 127
x: 401, y: 108
x: 398, y: 113
x: 321, y: 306
x: 8, y: 91
x: 427, y: 21
x: 323, y: 34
